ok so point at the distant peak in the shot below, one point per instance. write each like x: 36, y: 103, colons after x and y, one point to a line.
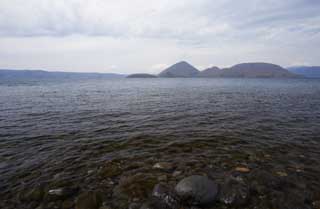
x: 180, y: 69
x: 182, y: 63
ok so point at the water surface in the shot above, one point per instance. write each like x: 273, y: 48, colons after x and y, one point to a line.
x: 65, y: 131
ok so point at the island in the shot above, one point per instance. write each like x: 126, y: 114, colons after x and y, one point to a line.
x: 141, y: 75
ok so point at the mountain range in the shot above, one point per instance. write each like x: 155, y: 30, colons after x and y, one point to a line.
x: 179, y: 70
x: 243, y: 70
x: 6, y: 74
x: 306, y: 71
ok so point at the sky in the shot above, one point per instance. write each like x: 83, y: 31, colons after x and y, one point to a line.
x: 128, y: 36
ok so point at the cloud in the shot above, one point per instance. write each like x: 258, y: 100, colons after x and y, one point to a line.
x: 127, y: 31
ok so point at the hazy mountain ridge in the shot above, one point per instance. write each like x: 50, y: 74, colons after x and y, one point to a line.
x: 306, y: 71
x: 210, y: 72
x: 42, y: 74
x: 243, y: 70
x: 257, y: 70
x: 178, y: 70
x: 141, y: 75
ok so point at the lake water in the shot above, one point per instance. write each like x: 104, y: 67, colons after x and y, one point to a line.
x: 57, y: 134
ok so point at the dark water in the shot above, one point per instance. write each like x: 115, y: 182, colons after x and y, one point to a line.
x: 55, y: 134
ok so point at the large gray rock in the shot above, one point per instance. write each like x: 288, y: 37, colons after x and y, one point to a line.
x: 197, y: 190
x: 167, y: 195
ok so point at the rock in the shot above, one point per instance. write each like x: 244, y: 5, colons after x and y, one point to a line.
x: 89, y: 172
x: 36, y: 194
x: 67, y: 204
x: 166, y: 195
x: 61, y: 193
x: 131, y: 187
x: 110, y: 169
x: 176, y: 173
x: 162, y: 178
x: 164, y: 166
x: 197, y: 190
x: 234, y: 192
x: 242, y: 169
x: 134, y: 206
x: 154, y: 203
x: 316, y: 204
x: 281, y: 174
x: 88, y: 200
x: 107, y: 207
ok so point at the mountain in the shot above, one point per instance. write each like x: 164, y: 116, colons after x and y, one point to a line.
x: 41, y: 74
x: 181, y: 69
x: 141, y: 75
x: 306, y: 71
x: 211, y: 72
x: 251, y: 70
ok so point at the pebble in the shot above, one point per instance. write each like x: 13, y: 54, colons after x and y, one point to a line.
x: 176, y: 173
x: 134, y: 206
x: 316, y: 204
x: 61, y: 193
x: 67, y: 204
x: 164, y: 166
x: 197, y: 190
x: 154, y: 203
x: 88, y: 200
x: 281, y: 174
x: 35, y: 194
x: 58, y: 192
x: 242, y: 169
x: 162, y: 178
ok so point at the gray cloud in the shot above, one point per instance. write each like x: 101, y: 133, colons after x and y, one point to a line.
x: 205, y: 31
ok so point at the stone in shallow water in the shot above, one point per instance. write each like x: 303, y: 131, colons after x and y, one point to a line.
x: 88, y: 200
x: 164, y: 166
x: 168, y: 196
x: 234, y: 192
x: 61, y: 193
x: 67, y: 204
x: 110, y: 169
x: 134, y: 206
x: 316, y: 204
x: 138, y: 186
x: 35, y: 194
x: 176, y: 173
x: 197, y: 190
x: 154, y: 203
x: 242, y: 169
x: 282, y: 174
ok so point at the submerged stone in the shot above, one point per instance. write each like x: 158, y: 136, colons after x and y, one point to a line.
x: 61, y: 193
x: 242, y: 169
x: 154, y: 203
x: 197, y: 190
x: 67, y: 204
x: 88, y: 200
x: 110, y: 169
x: 234, y: 192
x: 164, y: 166
x: 138, y: 186
x: 166, y: 195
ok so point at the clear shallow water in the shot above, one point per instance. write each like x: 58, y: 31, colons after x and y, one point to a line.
x: 53, y: 132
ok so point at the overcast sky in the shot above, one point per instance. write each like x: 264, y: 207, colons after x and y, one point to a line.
x: 126, y: 36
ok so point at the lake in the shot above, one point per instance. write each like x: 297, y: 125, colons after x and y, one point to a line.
x: 105, y: 135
